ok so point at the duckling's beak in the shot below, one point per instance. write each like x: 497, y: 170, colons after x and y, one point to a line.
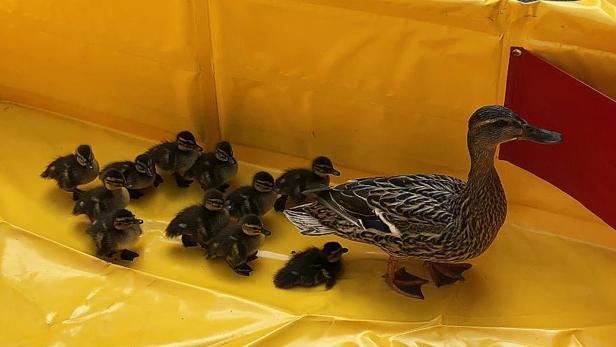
x: 198, y: 148
x: 90, y: 166
x: 232, y: 161
x: 276, y: 189
x: 138, y: 221
x: 266, y: 232
x: 344, y: 250
x: 334, y: 172
x: 538, y: 135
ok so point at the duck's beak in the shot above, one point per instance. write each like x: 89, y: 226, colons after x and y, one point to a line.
x: 232, y: 161
x: 198, y: 148
x: 538, y: 135
x: 138, y: 221
x: 334, y: 172
x: 266, y: 232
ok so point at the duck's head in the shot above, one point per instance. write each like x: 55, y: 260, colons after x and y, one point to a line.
x: 113, y: 179
x: 145, y: 165
x: 323, y: 166
x: 85, y: 156
x: 334, y: 251
x: 213, y: 200
x: 186, y: 142
x: 263, y: 182
x: 492, y: 125
x: 124, y: 219
x: 224, y: 152
x: 252, y: 225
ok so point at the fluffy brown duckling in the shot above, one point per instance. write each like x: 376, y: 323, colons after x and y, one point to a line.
x: 257, y: 198
x: 197, y: 224
x: 238, y: 243
x: 115, y: 231
x: 140, y: 174
x: 112, y: 196
x: 312, y: 267
x: 214, y: 169
x: 295, y: 181
x: 73, y: 170
x: 177, y: 157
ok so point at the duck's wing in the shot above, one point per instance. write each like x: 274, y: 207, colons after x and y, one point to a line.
x: 379, y: 210
x: 400, y: 202
x: 163, y: 155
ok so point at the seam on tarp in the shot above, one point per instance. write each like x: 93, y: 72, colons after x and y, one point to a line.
x: 80, y: 120
x: 212, y: 42
x: 393, y: 14
x: 429, y: 324
x: 562, y: 237
x: 282, y: 327
x: 202, y: 19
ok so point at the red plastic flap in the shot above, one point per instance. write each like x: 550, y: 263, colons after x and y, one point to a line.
x: 584, y: 164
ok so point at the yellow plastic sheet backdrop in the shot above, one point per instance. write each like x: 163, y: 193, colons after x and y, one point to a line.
x: 530, y: 288
x: 138, y: 66
x: 381, y: 86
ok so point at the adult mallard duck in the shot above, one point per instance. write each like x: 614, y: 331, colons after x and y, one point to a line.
x: 435, y: 218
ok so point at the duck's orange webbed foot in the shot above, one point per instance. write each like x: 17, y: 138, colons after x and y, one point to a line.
x: 403, y: 282
x: 443, y: 273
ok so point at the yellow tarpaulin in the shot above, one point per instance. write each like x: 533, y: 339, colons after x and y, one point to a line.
x: 380, y: 86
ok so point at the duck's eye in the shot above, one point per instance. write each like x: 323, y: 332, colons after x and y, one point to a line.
x: 501, y: 123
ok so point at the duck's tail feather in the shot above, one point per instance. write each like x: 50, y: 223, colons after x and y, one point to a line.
x: 231, y: 208
x: 285, y: 279
x: 47, y: 173
x: 316, y: 191
x: 77, y: 194
x: 319, y: 218
x: 175, y: 229
x: 303, y: 217
x: 79, y: 208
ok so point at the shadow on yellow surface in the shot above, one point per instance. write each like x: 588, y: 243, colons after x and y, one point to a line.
x: 553, y: 289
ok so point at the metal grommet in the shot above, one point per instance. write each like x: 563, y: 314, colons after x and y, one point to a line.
x: 517, y: 52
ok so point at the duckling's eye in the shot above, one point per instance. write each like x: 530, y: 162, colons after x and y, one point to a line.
x: 501, y: 123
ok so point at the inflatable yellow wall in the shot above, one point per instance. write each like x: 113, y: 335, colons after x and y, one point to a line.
x: 380, y: 86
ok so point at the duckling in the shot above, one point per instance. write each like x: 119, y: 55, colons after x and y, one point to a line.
x: 215, y: 169
x: 293, y: 182
x: 177, y: 157
x: 312, y: 267
x: 73, y: 170
x: 112, y: 196
x: 115, y: 231
x: 256, y: 199
x: 199, y: 223
x: 140, y: 174
x: 238, y: 243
